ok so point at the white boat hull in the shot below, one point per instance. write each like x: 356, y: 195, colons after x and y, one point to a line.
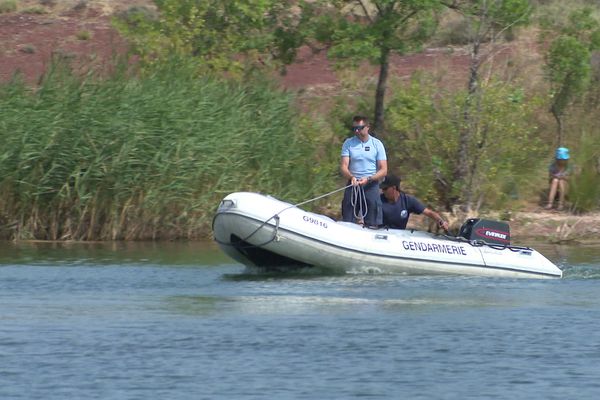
x: 262, y: 231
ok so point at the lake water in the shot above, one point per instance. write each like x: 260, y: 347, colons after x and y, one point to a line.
x: 182, y: 321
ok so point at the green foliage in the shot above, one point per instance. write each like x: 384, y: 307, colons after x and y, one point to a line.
x: 427, y: 122
x: 83, y: 35
x: 151, y: 157
x: 136, y: 15
x: 361, y: 33
x: 452, y: 30
x: 488, y: 18
x: 482, y: 21
x: 34, y: 10
x: 584, y: 192
x: 497, y: 14
x: 221, y: 34
x: 584, y: 26
x: 568, y: 70
x: 28, y: 49
x: 7, y: 6
x: 568, y: 67
x: 356, y: 30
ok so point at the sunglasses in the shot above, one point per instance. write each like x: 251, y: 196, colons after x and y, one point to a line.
x: 357, y: 128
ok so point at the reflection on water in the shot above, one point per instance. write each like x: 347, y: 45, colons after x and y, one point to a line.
x: 72, y: 253
x: 298, y: 305
x: 196, y: 305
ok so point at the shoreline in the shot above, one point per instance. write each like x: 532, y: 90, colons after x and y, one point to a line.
x: 541, y: 226
x: 556, y: 227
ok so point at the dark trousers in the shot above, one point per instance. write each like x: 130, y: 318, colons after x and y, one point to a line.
x: 371, y: 199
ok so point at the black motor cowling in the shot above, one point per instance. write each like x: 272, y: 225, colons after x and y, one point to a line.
x: 488, y: 231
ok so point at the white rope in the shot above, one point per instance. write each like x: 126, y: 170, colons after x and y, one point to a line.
x: 318, y: 197
x: 359, y: 198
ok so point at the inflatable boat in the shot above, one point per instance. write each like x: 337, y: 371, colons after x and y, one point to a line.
x: 260, y: 231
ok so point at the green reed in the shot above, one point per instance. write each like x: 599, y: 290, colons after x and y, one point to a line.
x: 584, y: 193
x: 151, y: 157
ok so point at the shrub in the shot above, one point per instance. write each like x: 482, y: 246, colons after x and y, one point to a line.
x: 134, y: 15
x: 28, y: 49
x: 424, y: 122
x: 584, y: 193
x: 34, y: 10
x: 83, y: 35
x: 7, y: 6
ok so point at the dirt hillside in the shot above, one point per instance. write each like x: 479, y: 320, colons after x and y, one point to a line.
x: 81, y: 30
x: 41, y: 29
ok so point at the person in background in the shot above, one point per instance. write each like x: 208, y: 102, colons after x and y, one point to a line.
x: 397, y: 206
x: 364, y: 164
x: 559, y: 174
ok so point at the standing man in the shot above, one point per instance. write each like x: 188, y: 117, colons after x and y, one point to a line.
x: 363, y: 163
x: 397, y: 206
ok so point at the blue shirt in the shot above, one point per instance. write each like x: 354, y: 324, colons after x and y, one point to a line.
x: 395, y: 215
x: 363, y: 155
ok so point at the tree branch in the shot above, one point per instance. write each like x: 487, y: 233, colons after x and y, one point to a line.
x: 364, y: 8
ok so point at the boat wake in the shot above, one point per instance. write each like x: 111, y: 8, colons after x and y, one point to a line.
x: 366, y: 271
x: 582, y: 272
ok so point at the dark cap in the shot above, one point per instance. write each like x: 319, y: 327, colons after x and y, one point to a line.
x: 390, y: 180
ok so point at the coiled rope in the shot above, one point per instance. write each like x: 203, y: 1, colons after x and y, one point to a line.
x: 359, y: 199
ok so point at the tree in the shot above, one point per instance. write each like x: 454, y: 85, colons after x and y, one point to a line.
x: 487, y: 20
x: 426, y: 113
x: 372, y: 30
x: 221, y: 35
x: 568, y: 63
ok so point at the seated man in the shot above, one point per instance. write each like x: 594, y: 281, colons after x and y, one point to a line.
x: 397, y: 206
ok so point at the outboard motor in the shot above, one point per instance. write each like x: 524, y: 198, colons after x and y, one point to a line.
x: 488, y: 231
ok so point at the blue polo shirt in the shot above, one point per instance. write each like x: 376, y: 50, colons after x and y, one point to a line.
x: 363, y: 155
x: 395, y: 215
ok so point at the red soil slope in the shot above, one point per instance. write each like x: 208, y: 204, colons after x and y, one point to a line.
x: 82, y: 32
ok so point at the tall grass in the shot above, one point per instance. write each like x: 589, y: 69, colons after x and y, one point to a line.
x: 585, y: 191
x: 144, y: 158
x: 7, y: 6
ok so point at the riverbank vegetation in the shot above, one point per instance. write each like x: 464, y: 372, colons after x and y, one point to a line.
x: 146, y: 157
x: 148, y: 151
